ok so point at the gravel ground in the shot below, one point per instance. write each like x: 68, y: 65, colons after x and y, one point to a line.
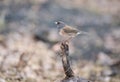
x: 29, y: 40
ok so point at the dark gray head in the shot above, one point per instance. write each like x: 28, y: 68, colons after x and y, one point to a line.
x: 60, y: 24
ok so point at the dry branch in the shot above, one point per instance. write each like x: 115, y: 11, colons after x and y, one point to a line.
x: 66, y: 65
x: 65, y: 60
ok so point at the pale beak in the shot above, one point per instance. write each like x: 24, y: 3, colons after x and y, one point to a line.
x: 56, y: 23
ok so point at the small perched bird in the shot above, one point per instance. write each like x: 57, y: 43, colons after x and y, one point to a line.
x: 68, y: 31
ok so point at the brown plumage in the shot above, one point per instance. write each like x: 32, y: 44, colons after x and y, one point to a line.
x: 68, y: 31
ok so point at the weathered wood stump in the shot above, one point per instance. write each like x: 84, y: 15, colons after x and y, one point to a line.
x: 66, y: 65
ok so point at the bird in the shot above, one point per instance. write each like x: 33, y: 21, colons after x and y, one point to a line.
x: 67, y: 31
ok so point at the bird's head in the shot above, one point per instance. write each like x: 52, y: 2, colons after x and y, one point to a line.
x: 60, y: 24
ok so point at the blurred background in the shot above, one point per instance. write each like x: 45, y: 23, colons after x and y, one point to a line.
x: 29, y: 40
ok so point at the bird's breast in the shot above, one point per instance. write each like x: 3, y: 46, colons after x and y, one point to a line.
x: 62, y: 33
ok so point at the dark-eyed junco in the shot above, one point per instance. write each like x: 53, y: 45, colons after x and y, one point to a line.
x: 68, y: 31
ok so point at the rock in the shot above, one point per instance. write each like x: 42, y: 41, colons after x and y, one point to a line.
x: 108, y: 72
x: 75, y: 79
x: 2, y: 80
x: 104, y: 59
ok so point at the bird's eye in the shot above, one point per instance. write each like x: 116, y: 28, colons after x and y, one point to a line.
x: 58, y: 22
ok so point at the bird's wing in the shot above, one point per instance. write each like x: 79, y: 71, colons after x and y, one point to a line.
x: 69, y: 29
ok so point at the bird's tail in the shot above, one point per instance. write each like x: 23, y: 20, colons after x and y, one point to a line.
x: 82, y: 32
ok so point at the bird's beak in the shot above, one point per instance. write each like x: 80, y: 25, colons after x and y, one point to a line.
x: 56, y: 23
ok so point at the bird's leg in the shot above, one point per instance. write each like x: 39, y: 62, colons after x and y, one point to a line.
x: 67, y: 40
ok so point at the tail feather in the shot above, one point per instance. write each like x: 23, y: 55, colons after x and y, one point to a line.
x: 82, y: 32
